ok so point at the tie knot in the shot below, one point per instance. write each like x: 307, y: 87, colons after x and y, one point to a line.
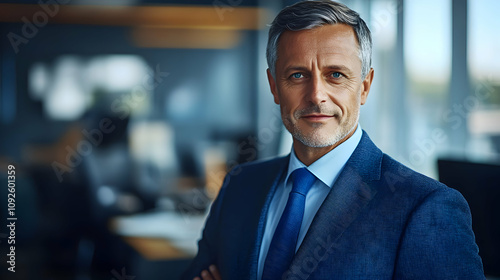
x: 302, y: 181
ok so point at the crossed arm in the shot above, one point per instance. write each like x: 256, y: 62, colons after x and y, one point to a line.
x: 212, y: 273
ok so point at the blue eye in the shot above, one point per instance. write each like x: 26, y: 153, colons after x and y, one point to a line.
x: 336, y: 75
x: 297, y: 75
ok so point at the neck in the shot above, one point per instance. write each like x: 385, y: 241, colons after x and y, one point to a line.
x: 307, y: 155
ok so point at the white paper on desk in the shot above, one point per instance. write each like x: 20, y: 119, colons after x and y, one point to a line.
x: 182, y: 230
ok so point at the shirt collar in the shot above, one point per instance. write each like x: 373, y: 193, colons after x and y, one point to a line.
x: 328, y: 167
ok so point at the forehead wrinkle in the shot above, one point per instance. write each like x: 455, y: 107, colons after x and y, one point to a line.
x: 339, y: 62
x: 317, y: 63
x: 307, y: 49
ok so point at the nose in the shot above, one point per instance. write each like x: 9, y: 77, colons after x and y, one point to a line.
x: 317, y: 92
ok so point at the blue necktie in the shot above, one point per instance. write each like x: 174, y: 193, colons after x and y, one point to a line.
x: 282, y: 248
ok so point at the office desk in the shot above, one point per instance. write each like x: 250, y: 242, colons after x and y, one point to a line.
x: 160, y: 235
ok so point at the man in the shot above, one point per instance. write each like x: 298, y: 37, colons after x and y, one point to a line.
x: 336, y: 207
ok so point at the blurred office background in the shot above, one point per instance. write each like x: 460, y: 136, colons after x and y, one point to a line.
x: 122, y: 117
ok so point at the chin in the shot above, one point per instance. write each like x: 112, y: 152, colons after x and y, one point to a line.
x: 317, y: 139
x: 323, y: 137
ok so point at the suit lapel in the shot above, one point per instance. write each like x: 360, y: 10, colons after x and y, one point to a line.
x: 269, y: 182
x: 351, y: 192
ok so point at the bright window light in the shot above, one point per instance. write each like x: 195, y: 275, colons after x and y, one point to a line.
x: 484, y: 42
x: 427, y: 40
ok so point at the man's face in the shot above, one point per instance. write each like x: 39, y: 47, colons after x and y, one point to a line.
x: 318, y: 84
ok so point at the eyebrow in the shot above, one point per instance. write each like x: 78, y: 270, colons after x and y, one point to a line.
x: 341, y: 68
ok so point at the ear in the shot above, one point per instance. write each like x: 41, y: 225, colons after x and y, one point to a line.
x: 272, y: 85
x: 365, y: 87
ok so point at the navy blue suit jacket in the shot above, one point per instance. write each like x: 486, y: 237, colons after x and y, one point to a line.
x: 381, y: 220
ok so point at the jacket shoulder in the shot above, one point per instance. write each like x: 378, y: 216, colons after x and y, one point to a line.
x: 260, y: 167
x: 411, y: 189
x: 398, y: 177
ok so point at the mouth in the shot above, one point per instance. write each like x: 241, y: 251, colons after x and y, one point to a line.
x: 316, y: 117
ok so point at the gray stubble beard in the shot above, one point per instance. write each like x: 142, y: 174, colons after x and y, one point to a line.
x: 314, y: 140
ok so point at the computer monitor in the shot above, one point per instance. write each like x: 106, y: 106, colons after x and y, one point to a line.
x: 479, y: 183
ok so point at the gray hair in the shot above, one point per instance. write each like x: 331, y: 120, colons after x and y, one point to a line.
x: 311, y: 14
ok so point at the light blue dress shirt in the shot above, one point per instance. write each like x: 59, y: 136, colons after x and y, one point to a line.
x: 326, y: 169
